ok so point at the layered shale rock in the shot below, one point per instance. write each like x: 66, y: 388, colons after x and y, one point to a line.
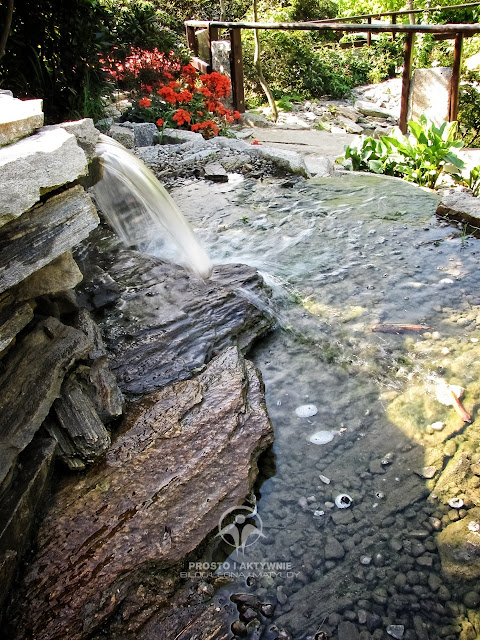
x: 18, y: 118
x: 184, y: 455
x: 166, y: 323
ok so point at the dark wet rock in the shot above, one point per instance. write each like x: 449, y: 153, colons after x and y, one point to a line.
x: 239, y: 628
x: 420, y: 628
x: 31, y: 381
x: 376, y: 466
x: 267, y: 610
x: 77, y: 415
x: 333, y: 549
x: 459, y: 548
x: 19, y: 506
x: 347, y: 631
x: 14, y: 317
x: 47, y: 231
x: 58, y: 275
x: 99, y: 385
x: 374, y: 621
x: 169, y: 323
x: 471, y: 599
x: 344, y: 516
x: 161, y: 489
x: 246, y: 599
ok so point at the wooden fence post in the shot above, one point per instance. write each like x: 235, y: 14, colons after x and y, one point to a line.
x: 236, y: 70
x: 369, y: 33
x: 455, y: 81
x: 394, y: 21
x: 406, y: 77
x: 192, y: 41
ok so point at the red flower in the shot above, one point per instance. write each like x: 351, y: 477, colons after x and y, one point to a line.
x: 181, y: 117
x: 159, y: 122
x: 219, y: 85
x: 200, y: 113
x: 168, y: 94
x: 184, y: 96
x: 237, y: 115
x: 148, y: 88
x: 144, y: 102
x: 256, y: 142
x: 208, y: 128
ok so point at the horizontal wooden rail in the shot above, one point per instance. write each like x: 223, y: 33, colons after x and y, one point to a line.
x: 447, y: 29
x: 403, y: 12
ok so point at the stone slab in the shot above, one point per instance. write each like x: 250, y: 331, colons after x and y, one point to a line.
x: 460, y: 206
x: 85, y: 132
x: 36, y: 165
x: 430, y: 94
x: 18, y: 118
x: 160, y: 491
x: 30, y: 382
x: 13, y: 318
x: 49, y: 230
x: 124, y: 135
x: 59, y: 275
x: 144, y: 132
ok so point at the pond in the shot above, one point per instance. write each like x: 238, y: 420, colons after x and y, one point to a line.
x: 377, y: 304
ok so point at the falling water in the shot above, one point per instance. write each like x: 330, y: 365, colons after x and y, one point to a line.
x: 141, y: 211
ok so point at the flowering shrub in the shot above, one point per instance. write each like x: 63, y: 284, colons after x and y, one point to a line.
x: 143, y: 69
x: 192, y: 101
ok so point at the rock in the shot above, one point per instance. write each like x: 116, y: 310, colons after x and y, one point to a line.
x: 60, y: 274
x: 333, y: 549
x: 181, y: 321
x: 459, y: 548
x: 14, y: 317
x: 78, y: 417
x: 149, y: 482
x: 87, y: 324
x: 471, y: 599
x: 420, y: 628
x: 251, y: 119
x: 396, y: 631
x: 347, y: 631
x: 123, y: 135
x: 100, y: 386
x: 31, y: 381
x: 18, y: 118
x: 84, y: 131
x: 428, y: 472
x: 319, y: 166
x: 38, y: 164
x: 342, y: 517
x: 347, y: 112
x: 215, y: 172
x: 179, y: 136
x: 289, y: 161
x: 349, y: 125
x: 430, y: 94
x: 49, y: 230
x: 144, y: 132
x: 370, y: 109
x: 19, y: 506
x: 460, y: 206
x: 376, y: 467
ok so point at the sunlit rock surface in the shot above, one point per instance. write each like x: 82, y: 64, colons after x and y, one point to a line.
x: 18, y: 118
x: 183, y: 456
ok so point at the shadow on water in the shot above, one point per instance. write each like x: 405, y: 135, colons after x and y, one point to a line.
x: 345, y: 255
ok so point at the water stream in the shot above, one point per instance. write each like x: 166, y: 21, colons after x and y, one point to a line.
x: 349, y: 259
x: 141, y: 211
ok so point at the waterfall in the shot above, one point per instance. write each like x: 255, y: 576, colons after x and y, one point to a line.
x: 141, y: 211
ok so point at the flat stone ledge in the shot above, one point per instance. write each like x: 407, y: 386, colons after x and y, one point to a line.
x: 18, y: 118
x: 460, y: 206
x: 36, y: 165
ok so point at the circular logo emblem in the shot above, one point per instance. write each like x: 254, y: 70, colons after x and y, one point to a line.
x: 245, y: 529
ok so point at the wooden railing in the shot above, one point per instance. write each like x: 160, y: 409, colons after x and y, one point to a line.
x: 455, y: 32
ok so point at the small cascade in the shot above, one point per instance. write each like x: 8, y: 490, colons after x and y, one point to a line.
x: 141, y: 211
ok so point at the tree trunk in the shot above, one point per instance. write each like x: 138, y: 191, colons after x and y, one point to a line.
x: 258, y: 66
x: 6, y: 28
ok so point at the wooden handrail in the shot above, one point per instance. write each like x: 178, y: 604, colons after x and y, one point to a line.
x: 403, y: 12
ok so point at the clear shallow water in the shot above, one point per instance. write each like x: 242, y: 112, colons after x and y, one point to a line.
x: 344, y: 255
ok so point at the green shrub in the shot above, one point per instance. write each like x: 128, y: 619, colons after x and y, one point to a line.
x: 421, y: 157
x: 469, y: 113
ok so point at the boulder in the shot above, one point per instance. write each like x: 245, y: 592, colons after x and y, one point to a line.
x: 349, y: 125
x: 161, y: 489
x: 430, y: 94
x: 49, y: 230
x: 123, y: 135
x: 460, y: 206
x: 289, y: 161
x: 215, y: 172
x: 459, y: 547
x: 31, y: 381
x: 181, y: 321
x: 143, y: 132
x: 38, y: 164
x: 178, y: 136
x: 59, y: 275
x: 18, y: 118
x: 20, y: 505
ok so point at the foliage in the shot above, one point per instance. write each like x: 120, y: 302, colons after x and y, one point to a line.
x: 472, y: 181
x: 58, y: 51
x: 469, y: 113
x: 190, y: 101
x: 421, y: 157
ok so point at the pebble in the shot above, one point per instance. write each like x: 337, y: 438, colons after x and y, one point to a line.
x: 267, y: 610
x: 333, y: 549
x: 471, y: 599
x: 438, y: 426
x: 347, y: 631
x: 376, y: 467
x: 456, y: 503
x: 396, y: 631
x: 281, y: 596
x: 324, y: 479
x: 428, y: 472
x: 380, y: 595
x: 365, y: 560
x: 362, y: 616
x: 239, y: 629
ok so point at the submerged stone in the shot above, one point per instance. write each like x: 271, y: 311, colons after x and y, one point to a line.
x: 306, y: 410
x: 322, y: 437
x: 184, y: 455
